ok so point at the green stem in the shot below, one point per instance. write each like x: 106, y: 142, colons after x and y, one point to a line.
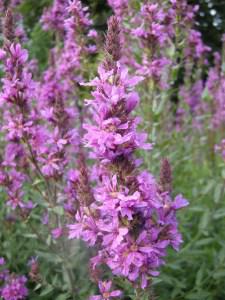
x: 138, y: 294
x: 69, y: 272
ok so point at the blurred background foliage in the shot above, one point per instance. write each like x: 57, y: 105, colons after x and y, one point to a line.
x: 210, y: 21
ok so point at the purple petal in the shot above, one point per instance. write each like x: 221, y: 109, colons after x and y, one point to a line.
x: 179, y: 202
x: 116, y: 293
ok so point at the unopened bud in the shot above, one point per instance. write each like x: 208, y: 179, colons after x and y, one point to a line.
x: 113, y: 43
x: 8, y: 29
x: 166, y: 176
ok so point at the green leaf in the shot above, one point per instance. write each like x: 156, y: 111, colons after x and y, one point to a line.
x: 200, y: 275
x: 47, y: 291
x: 204, y: 242
x: 218, y: 192
x: 219, y: 274
x: 58, y: 210
x: 37, y: 287
x: 204, y: 222
x: 62, y: 297
x: 219, y: 214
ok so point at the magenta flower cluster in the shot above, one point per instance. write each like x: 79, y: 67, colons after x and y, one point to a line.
x: 12, y: 286
x: 132, y: 220
x: 42, y: 135
x: 17, y: 89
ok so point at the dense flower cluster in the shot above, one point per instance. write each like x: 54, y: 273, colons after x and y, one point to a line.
x: 54, y: 16
x: 196, y: 48
x: 120, y: 7
x: 12, y: 286
x: 203, y: 96
x: 153, y: 31
x: 133, y: 218
x: 17, y: 92
x: 58, y: 97
x: 41, y: 123
x: 42, y: 135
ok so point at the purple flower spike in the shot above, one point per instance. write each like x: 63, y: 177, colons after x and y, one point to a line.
x: 132, y: 219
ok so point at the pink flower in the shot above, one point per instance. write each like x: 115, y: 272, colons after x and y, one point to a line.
x: 106, y: 294
x: 19, y: 54
x: 92, y: 33
x: 14, y: 288
x: 57, y: 233
x: 132, y: 219
x: 2, y: 261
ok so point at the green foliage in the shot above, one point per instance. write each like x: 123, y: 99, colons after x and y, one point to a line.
x: 198, y: 270
x: 31, y: 11
x: 39, y: 41
x: 40, y: 45
x: 211, y: 21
